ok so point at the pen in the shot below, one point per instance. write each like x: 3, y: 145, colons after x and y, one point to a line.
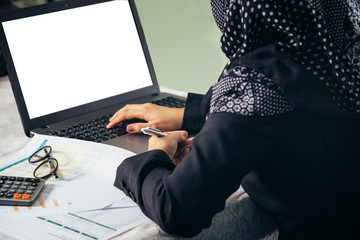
x: 153, y: 131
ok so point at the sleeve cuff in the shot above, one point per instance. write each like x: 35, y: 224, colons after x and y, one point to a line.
x: 132, y: 171
x: 193, y: 119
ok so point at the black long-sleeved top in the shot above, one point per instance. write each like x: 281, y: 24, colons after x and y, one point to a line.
x: 300, y: 166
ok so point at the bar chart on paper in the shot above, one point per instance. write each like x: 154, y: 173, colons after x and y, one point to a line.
x: 39, y: 203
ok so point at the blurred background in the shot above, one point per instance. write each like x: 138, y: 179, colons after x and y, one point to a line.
x: 182, y: 36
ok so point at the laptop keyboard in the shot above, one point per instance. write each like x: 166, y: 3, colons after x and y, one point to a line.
x: 95, y: 130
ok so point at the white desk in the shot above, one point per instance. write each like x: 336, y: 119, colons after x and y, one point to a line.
x: 241, y: 219
x: 12, y: 136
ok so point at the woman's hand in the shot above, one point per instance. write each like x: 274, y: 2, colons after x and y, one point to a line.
x: 174, y: 144
x: 163, y: 118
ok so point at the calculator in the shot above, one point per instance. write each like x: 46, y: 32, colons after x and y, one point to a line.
x: 19, y: 190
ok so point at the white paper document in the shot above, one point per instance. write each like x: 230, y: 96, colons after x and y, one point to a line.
x: 87, y: 225
x: 86, y: 171
x: 82, y: 203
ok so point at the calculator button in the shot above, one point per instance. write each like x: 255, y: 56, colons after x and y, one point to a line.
x: 17, y: 196
x: 32, y: 180
x: 19, y: 191
x: 26, y: 196
x: 9, y: 195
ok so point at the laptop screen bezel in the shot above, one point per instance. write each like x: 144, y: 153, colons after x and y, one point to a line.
x: 30, y: 124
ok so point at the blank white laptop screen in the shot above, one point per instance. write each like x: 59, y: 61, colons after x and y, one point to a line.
x: 77, y: 56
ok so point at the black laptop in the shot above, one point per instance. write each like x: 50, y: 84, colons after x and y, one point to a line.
x: 72, y: 64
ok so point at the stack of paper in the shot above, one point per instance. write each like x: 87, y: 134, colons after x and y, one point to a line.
x: 81, y: 204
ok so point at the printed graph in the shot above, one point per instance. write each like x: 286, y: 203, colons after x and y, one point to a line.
x: 75, y: 161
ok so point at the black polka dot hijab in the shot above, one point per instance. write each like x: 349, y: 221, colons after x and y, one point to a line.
x: 323, y: 35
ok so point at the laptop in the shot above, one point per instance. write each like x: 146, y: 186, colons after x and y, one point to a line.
x: 74, y: 63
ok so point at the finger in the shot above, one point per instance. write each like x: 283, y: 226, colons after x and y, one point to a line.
x: 186, y: 142
x: 181, y: 152
x: 181, y: 155
x: 131, y: 111
x: 180, y: 138
x: 113, y: 123
x: 118, y: 112
x: 136, y: 127
x: 126, y: 113
x: 181, y: 147
x: 180, y: 133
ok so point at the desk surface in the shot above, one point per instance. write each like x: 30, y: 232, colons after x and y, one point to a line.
x: 12, y: 135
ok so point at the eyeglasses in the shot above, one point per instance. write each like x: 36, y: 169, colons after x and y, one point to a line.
x: 49, y: 165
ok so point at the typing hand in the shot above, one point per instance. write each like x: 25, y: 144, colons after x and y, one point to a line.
x: 174, y: 144
x: 163, y: 118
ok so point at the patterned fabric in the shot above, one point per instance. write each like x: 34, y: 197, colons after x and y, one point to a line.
x: 323, y: 36
x: 219, y: 11
x: 352, y: 35
x: 247, y: 92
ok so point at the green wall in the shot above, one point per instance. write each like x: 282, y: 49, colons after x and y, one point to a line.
x: 183, y: 39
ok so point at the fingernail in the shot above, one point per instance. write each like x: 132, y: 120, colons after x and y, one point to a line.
x: 130, y: 128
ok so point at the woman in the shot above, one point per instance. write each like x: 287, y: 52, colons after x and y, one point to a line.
x: 282, y: 121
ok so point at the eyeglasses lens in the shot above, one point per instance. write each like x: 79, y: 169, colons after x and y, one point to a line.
x: 40, y: 154
x: 46, y: 168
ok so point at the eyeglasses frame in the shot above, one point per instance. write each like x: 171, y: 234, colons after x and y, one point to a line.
x: 47, y: 158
